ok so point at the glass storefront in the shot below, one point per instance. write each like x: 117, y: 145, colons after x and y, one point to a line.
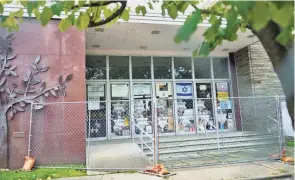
x: 192, y: 95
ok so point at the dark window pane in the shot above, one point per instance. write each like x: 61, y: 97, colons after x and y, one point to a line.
x: 141, y: 67
x: 220, y: 68
x: 162, y: 68
x: 119, y: 67
x: 202, y: 68
x: 95, y: 67
x: 183, y: 68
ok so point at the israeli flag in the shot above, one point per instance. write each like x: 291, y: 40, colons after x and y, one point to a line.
x: 184, y: 90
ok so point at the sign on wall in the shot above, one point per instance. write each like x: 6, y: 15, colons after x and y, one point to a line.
x: 184, y: 90
x: 120, y: 90
x: 142, y: 89
x: 95, y: 91
x: 163, y: 90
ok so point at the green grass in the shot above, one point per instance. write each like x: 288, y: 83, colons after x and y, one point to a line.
x: 40, y: 174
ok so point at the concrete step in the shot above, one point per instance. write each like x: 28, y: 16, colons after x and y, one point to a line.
x: 213, y: 147
x: 176, y: 144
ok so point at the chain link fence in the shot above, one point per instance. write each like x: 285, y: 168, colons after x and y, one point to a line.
x: 123, y: 134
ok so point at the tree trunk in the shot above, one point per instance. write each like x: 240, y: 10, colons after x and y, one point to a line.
x: 282, y: 60
x: 3, y: 140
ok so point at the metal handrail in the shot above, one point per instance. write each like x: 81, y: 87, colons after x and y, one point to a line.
x: 142, y: 141
x: 268, y: 123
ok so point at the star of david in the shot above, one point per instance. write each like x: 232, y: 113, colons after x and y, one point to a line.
x: 184, y: 89
x: 97, y: 125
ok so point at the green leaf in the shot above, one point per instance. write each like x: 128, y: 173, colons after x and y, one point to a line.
x: 173, y: 11
x: 183, y: 7
x: 260, y: 15
x: 31, y: 6
x: 189, y: 27
x: 243, y: 29
x: 57, y: 8
x: 82, y: 21
x: 125, y: 15
x: 231, y: 20
x: 211, y: 32
x: 204, y: 49
x: 1, y: 9
x: 37, y: 14
x: 46, y: 15
x: 24, y: 3
x: 143, y: 10
x: 233, y: 37
x: 285, y: 36
x: 65, y: 24
x: 81, y: 3
x: 283, y: 15
x: 137, y: 9
x: 107, y: 12
x: 150, y: 5
x: 19, y: 13
x: 41, y: 2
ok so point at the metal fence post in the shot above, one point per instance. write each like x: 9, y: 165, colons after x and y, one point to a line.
x: 156, y: 139
x: 30, y: 131
x: 280, y: 125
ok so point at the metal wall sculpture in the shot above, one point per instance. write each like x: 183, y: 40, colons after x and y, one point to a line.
x: 15, y: 97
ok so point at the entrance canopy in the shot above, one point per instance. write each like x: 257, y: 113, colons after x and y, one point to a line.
x: 154, y: 39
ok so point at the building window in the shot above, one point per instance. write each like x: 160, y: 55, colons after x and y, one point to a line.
x: 162, y: 67
x: 95, y: 67
x: 183, y: 68
x: 202, y: 68
x: 119, y: 67
x: 220, y: 68
x: 141, y: 68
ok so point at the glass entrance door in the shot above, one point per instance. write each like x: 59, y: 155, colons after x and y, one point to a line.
x: 142, y: 107
x: 164, y: 107
x: 185, y: 108
x: 120, y: 110
x: 224, y: 114
x: 96, y: 110
x: 205, y: 110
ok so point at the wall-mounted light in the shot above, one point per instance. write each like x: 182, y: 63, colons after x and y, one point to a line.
x: 251, y: 36
x: 155, y: 32
x: 99, y: 29
x: 143, y: 47
x: 96, y: 46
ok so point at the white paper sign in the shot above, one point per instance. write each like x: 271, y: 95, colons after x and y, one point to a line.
x: 95, y: 91
x: 163, y: 89
x: 141, y: 89
x: 93, y: 105
x: 120, y: 90
x: 203, y: 87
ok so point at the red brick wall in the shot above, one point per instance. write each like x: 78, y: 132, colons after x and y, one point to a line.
x: 65, y: 54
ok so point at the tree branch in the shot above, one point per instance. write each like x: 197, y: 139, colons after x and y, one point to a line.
x: 27, y: 98
x: 97, y: 4
x: 110, y: 18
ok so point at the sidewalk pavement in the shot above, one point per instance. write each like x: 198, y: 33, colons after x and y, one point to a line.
x: 257, y: 170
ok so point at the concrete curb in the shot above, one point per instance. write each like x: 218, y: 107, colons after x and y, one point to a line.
x: 287, y: 175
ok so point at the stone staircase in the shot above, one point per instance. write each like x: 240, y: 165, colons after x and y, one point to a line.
x: 199, y: 150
